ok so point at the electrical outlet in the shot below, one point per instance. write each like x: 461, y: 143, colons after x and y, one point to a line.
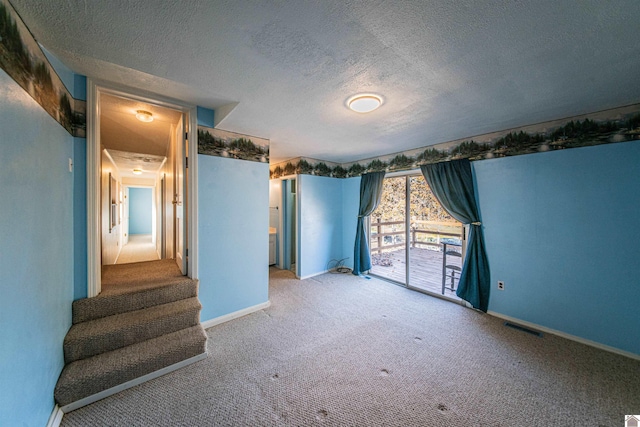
x: 501, y: 285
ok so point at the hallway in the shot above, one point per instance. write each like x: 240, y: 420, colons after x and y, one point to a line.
x: 140, y: 248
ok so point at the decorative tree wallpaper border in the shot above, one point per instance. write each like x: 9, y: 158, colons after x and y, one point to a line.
x: 604, y: 127
x: 221, y: 143
x: 23, y: 60
x: 307, y: 166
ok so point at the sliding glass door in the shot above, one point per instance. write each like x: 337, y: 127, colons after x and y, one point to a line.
x: 414, y: 241
x: 389, y: 232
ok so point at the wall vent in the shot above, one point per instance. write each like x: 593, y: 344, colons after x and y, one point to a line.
x: 523, y: 329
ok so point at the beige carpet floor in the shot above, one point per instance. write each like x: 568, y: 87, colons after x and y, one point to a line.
x: 139, y: 248
x: 147, y: 274
x: 340, y: 350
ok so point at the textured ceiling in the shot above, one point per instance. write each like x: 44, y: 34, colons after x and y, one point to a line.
x: 446, y: 69
x: 120, y: 130
x: 148, y: 164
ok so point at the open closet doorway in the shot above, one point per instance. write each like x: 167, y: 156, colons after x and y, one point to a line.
x: 290, y: 225
x: 137, y: 152
x: 283, y: 223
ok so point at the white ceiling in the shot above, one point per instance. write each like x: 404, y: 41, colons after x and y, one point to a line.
x: 120, y: 130
x: 148, y: 164
x: 446, y: 69
x: 133, y: 144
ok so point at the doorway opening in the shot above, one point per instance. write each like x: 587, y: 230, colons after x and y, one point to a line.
x: 290, y: 226
x: 127, y: 155
x: 283, y: 223
x: 136, y: 157
x: 414, y: 241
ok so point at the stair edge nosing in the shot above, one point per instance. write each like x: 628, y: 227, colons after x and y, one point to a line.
x: 185, y: 318
x: 68, y: 381
x: 131, y: 383
x: 190, y: 304
x: 91, y: 308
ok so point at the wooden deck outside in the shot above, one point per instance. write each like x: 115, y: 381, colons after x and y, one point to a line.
x: 425, y: 268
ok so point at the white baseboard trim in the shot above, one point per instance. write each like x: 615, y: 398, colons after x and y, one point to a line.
x: 134, y: 382
x: 227, y: 317
x: 56, y: 417
x: 313, y: 275
x: 118, y: 256
x: 565, y: 335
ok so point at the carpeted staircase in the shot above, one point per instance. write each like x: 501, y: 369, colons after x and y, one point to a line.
x: 144, y: 323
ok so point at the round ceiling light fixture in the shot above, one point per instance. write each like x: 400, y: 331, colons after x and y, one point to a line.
x: 364, y: 102
x: 144, y: 116
x: 137, y: 171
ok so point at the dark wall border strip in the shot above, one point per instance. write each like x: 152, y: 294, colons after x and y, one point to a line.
x: 221, y: 143
x: 23, y: 60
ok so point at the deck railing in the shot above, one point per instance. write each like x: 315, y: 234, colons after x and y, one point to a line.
x: 417, y: 228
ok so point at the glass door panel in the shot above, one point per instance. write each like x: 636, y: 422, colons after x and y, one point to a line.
x: 431, y: 230
x: 423, y: 250
x: 388, y: 232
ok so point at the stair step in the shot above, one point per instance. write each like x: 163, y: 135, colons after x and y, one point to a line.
x: 121, y: 277
x: 87, y: 377
x: 97, y: 336
x: 136, y: 297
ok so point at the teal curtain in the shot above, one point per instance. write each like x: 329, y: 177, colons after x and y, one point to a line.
x: 452, y: 184
x: 370, y: 193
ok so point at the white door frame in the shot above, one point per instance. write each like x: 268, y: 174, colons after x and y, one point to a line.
x: 94, y: 89
x: 125, y: 216
x: 179, y: 205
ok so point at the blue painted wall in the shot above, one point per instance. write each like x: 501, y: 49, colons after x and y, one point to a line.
x: 233, y: 235
x: 80, y: 87
x: 205, y: 117
x: 79, y: 218
x: 77, y: 86
x: 320, y: 223
x: 140, y: 210
x: 350, y: 206
x: 37, y: 255
x: 560, y: 231
x: 66, y: 75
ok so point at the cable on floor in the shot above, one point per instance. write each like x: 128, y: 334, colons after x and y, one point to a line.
x: 336, y: 266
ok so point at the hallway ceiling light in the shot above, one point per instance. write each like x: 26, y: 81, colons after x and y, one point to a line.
x: 137, y: 171
x: 364, y: 102
x: 144, y: 116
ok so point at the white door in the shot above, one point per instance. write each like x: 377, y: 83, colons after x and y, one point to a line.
x: 125, y: 217
x: 163, y: 225
x: 179, y: 201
